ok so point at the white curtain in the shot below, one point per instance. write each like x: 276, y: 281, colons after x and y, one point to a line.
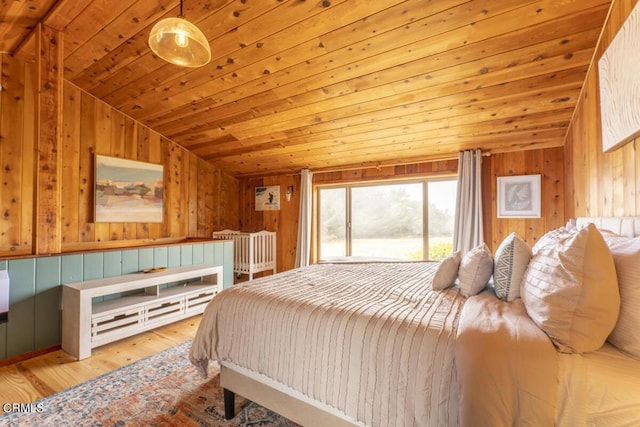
x: 467, y: 230
x: 303, y: 248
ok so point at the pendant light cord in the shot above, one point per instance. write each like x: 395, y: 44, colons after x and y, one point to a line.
x: 181, y: 9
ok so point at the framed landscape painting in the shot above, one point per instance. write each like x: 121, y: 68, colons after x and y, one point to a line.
x: 519, y: 196
x: 128, y: 190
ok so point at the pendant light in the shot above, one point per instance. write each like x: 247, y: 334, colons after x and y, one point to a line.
x: 180, y: 42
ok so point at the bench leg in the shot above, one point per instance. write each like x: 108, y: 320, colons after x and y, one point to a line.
x: 229, y: 404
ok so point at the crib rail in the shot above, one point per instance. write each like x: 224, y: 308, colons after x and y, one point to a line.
x: 253, y: 252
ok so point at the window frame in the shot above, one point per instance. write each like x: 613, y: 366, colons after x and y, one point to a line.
x: 348, y: 186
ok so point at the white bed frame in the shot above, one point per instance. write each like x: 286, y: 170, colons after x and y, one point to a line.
x: 628, y: 226
x: 252, y: 252
x: 308, y: 412
x: 278, y: 398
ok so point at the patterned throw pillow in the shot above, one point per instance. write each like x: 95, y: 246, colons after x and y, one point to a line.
x: 447, y: 272
x: 510, y: 263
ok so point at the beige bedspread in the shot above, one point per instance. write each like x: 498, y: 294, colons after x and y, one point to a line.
x: 376, y: 343
x: 507, y: 367
x: 372, y: 340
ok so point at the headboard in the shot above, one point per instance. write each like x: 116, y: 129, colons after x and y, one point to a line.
x: 623, y: 225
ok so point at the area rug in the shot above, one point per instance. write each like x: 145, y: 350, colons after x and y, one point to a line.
x: 164, y: 389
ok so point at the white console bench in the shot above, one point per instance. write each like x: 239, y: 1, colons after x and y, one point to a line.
x: 87, y: 324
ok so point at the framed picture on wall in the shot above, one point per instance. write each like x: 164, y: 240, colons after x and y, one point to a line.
x: 619, y: 83
x: 519, y: 196
x: 128, y: 190
x: 268, y: 198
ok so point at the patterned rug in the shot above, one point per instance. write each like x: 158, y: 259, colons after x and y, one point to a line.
x: 160, y: 390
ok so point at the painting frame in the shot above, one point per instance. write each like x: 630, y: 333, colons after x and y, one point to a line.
x: 519, y: 196
x: 267, y: 198
x: 127, y: 191
x: 620, y: 86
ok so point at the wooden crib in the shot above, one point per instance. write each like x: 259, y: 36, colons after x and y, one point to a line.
x: 252, y: 252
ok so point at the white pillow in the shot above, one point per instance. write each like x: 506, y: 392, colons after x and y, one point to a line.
x: 551, y: 237
x: 626, y: 256
x: 570, y: 289
x: 475, y: 270
x: 447, y: 272
x: 510, y: 263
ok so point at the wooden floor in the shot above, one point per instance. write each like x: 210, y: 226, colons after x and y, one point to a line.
x: 43, y: 375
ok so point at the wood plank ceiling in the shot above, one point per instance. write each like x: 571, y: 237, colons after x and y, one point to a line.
x: 331, y: 84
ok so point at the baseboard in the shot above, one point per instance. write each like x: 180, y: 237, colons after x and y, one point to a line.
x: 22, y: 357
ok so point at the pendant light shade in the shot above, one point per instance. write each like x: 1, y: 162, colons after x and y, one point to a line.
x: 180, y: 42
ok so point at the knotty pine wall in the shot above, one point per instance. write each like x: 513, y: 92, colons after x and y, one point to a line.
x: 17, y: 139
x: 198, y: 197
x: 284, y: 222
x: 547, y: 162
x: 597, y: 183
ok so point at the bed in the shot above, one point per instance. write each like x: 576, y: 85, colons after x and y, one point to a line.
x: 371, y: 343
x: 252, y: 252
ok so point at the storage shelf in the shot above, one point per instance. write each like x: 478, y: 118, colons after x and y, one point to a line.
x: 87, y: 324
x: 141, y: 299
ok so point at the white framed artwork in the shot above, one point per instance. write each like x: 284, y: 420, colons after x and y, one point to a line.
x: 519, y: 196
x: 619, y: 82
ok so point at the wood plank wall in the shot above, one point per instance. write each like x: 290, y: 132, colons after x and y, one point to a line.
x: 597, y: 183
x: 17, y: 147
x: 549, y: 163
x: 198, y: 196
x: 284, y: 222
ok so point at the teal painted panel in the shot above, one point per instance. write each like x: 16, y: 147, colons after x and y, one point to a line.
x: 186, y: 255
x: 228, y: 263
x: 130, y: 261
x: 174, y: 256
x: 218, y: 253
x: 93, y: 266
x: 20, y: 328
x: 3, y: 341
x: 22, y: 279
x: 35, y: 316
x: 47, y: 273
x: 71, y: 269
x: 112, y: 264
x: 160, y: 257
x: 198, y: 253
x: 48, y: 319
x: 209, y: 253
x: 145, y: 258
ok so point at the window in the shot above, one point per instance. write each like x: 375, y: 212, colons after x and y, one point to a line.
x: 387, y: 220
